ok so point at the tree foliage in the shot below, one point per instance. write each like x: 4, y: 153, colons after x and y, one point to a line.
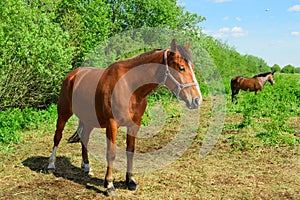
x: 34, y: 55
x: 275, y: 68
x: 288, y: 69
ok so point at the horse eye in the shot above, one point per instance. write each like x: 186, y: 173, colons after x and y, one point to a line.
x: 181, y: 68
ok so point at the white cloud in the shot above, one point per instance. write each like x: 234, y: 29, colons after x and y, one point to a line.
x: 295, y: 33
x: 238, y: 32
x: 226, y: 32
x: 295, y: 8
x: 238, y: 19
x: 206, y: 31
x: 225, y: 18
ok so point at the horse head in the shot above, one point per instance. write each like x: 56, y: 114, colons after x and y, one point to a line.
x: 180, y: 77
x: 271, y: 78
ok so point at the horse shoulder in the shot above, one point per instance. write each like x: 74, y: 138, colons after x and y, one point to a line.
x: 137, y: 109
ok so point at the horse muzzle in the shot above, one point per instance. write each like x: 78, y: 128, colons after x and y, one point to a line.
x: 194, y: 103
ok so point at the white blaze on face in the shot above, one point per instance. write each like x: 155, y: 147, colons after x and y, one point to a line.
x: 195, y: 80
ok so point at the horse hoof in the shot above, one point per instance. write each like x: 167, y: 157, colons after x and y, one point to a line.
x: 132, y: 185
x: 110, y: 191
x: 90, y: 173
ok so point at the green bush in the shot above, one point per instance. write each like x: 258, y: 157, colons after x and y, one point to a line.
x: 87, y: 23
x: 275, y: 68
x: 289, y: 69
x: 34, y: 56
x: 15, y: 120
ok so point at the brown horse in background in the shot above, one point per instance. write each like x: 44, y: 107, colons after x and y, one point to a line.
x: 256, y: 83
x: 116, y: 96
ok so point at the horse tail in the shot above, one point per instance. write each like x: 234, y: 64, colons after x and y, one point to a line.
x: 234, y: 86
x: 74, y: 138
x: 234, y: 82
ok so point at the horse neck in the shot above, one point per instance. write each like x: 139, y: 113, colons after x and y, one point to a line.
x: 147, y: 67
x: 264, y: 79
x: 156, y: 56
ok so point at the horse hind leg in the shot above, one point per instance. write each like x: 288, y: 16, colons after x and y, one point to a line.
x: 234, y: 92
x: 234, y: 88
x: 84, y: 132
x: 60, y: 124
x: 232, y: 96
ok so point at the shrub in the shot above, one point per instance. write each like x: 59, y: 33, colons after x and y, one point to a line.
x: 15, y: 120
x: 275, y: 68
x: 288, y: 69
x: 34, y: 56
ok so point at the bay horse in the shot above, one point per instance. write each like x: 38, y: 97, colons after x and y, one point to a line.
x: 256, y: 83
x: 116, y: 96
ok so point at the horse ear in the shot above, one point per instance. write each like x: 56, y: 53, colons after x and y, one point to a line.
x: 173, y: 46
x: 188, y: 45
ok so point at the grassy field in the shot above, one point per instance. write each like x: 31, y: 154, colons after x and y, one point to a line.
x: 257, y: 156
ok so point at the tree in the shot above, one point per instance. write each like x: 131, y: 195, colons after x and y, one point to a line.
x: 134, y: 14
x: 275, y: 68
x: 34, y: 56
x: 87, y: 23
x: 288, y: 69
x: 297, y: 70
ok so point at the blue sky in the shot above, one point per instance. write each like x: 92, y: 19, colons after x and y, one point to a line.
x: 269, y: 29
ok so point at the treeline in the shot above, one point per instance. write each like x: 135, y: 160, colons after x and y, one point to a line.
x: 42, y: 40
x: 290, y: 69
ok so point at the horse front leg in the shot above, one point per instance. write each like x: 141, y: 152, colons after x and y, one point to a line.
x: 131, y: 135
x: 111, y: 133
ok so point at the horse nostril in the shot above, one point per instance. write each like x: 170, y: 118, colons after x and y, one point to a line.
x: 196, y: 101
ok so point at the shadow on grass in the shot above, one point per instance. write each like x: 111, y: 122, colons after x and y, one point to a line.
x: 65, y: 169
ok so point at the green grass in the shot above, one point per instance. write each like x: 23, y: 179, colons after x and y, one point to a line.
x: 268, y: 111
x: 265, y: 114
x: 14, y: 120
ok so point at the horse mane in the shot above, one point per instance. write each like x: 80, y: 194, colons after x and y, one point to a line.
x: 143, y: 54
x: 185, y: 53
x: 262, y: 74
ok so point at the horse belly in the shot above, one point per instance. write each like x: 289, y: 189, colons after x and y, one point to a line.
x: 247, y: 85
x: 83, y: 96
